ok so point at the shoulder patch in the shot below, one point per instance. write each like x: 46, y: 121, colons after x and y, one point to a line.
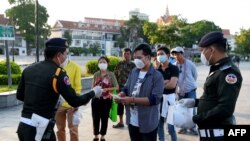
x: 66, y: 80
x: 231, y: 78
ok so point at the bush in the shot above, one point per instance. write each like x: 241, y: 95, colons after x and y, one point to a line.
x: 15, y: 69
x: 92, y: 65
x: 15, y: 79
x: 196, y: 59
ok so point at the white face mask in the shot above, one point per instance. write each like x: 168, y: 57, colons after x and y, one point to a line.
x: 162, y: 58
x: 64, y: 63
x: 139, y: 63
x: 204, y: 60
x: 103, y: 66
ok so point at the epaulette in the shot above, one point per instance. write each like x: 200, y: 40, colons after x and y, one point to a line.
x: 58, y: 70
x: 225, y: 66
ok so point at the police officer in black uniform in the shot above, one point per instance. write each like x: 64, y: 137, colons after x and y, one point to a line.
x: 216, y: 106
x: 40, y: 86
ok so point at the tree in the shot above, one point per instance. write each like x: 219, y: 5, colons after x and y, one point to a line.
x: 150, y: 30
x: 67, y: 35
x: 198, y: 29
x: 94, y: 48
x: 22, y: 16
x: 132, y: 32
x: 243, y: 42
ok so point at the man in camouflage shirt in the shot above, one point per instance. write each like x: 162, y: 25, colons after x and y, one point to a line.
x: 122, y: 71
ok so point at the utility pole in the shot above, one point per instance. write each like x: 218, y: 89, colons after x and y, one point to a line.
x: 37, y: 32
x: 8, y: 64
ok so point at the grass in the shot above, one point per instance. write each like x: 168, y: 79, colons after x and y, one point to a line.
x: 6, y: 88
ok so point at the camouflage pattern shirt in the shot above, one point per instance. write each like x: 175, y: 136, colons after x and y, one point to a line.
x: 122, y: 71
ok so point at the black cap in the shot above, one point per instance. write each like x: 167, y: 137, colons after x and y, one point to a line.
x: 56, y: 43
x: 211, y: 38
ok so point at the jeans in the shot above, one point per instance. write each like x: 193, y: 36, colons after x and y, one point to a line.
x: 135, y: 134
x: 191, y: 94
x: 171, y: 130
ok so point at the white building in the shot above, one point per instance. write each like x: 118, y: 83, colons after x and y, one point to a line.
x: 230, y: 38
x: 136, y: 12
x: 16, y: 47
x: 92, y: 30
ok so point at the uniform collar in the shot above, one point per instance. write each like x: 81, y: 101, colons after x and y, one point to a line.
x: 220, y: 64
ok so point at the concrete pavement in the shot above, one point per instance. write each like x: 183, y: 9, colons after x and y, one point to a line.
x: 9, y: 117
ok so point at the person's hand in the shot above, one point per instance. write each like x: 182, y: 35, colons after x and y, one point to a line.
x: 126, y: 100
x: 117, y: 98
x: 98, y: 91
x: 187, y: 102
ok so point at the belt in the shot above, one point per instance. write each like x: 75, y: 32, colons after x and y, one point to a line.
x: 27, y: 121
x: 209, y: 133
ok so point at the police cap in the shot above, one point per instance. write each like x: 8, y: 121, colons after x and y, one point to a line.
x: 56, y: 43
x: 211, y: 38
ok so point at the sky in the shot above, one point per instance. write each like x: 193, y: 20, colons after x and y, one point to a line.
x: 228, y: 14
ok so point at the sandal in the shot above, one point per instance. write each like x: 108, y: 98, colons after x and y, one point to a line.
x: 118, y: 125
x: 182, y: 131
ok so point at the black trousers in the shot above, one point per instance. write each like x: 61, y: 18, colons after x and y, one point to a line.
x: 136, y: 135
x: 100, y: 113
x: 27, y: 133
x: 120, y: 109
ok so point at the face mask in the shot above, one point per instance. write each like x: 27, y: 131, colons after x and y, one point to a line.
x: 139, y: 64
x: 204, y: 60
x: 102, y: 66
x: 64, y: 63
x: 162, y: 58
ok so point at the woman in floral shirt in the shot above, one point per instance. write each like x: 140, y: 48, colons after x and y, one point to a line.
x: 101, y: 107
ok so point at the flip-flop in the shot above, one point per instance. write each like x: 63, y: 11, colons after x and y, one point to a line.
x: 118, y: 125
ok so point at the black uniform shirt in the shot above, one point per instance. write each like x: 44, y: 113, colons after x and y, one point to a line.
x: 36, y: 91
x: 221, y: 89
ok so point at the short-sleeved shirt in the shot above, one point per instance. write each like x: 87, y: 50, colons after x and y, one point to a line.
x: 170, y: 71
x: 107, y: 81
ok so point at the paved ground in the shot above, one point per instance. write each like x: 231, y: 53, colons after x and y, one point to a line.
x: 9, y: 117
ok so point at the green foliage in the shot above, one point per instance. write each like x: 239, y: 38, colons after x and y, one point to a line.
x: 196, y: 59
x: 76, y: 50
x: 92, y: 65
x: 243, y: 42
x: 94, y: 48
x: 15, y: 69
x: 15, y: 79
x: 68, y: 36
x: 22, y: 17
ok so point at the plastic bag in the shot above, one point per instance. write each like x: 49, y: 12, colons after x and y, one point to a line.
x: 180, y: 116
x: 113, y: 109
x: 76, y: 118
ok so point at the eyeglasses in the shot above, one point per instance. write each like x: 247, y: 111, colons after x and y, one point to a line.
x: 180, y: 69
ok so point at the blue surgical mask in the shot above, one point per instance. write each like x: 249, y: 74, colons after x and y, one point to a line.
x: 162, y: 58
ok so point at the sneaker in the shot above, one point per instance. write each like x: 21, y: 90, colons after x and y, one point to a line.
x: 119, y: 125
x: 193, y: 132
x: 182, y: 131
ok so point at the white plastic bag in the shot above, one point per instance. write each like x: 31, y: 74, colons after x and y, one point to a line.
x: 76, y: 118
x: 180, y: 116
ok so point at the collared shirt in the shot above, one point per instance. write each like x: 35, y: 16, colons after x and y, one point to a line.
x: 221, y: 89
x: 152, y: 87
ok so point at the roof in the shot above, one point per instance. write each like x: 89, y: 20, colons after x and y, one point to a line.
x: 226, y: 32
x: 3, y: 20
x: 92, y: 24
